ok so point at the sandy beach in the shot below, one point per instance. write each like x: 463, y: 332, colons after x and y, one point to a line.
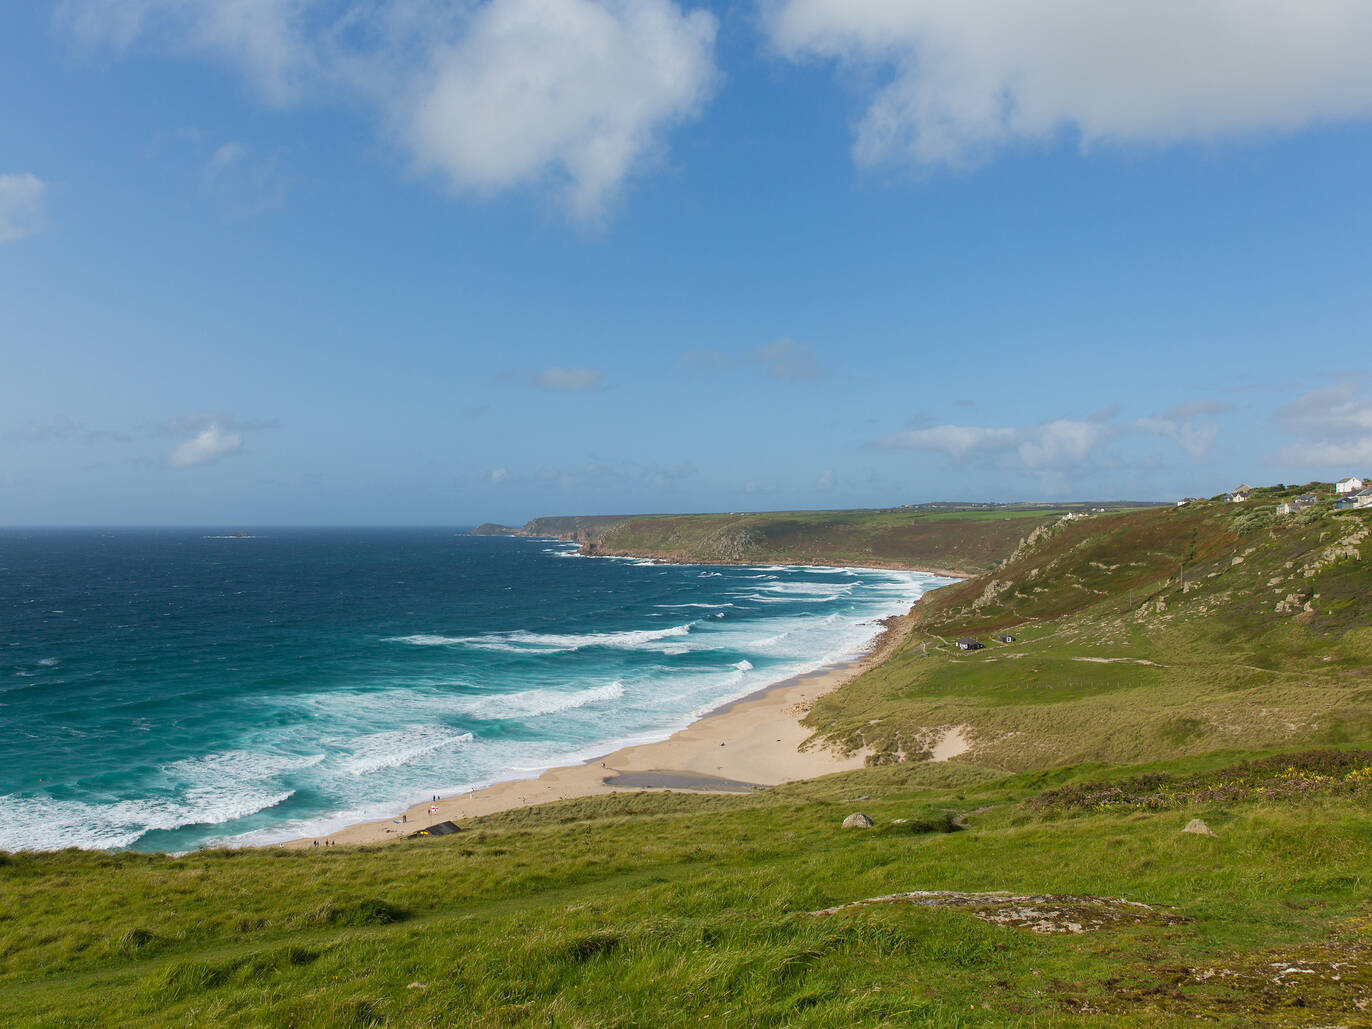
x: 752, y: 742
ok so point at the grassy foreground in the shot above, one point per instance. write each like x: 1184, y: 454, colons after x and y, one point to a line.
x: 675, y: 910
x: 1209, y: 662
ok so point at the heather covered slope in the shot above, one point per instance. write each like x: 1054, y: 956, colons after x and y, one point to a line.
x: 1138, y: 635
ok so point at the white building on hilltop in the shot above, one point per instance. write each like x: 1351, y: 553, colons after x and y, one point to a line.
x: 1349, y: 485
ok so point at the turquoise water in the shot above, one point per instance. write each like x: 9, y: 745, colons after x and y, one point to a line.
x: 163, y: 690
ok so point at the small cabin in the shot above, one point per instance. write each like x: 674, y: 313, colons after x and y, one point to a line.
x: 1350, y: 484
x: 969, y: 644
x: 1005, y: 637
x: 1301, y: 503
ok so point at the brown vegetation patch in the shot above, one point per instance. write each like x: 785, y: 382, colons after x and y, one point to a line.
x: 1037, y: 912
x: 1284, y: 777
x: 1305, y: 985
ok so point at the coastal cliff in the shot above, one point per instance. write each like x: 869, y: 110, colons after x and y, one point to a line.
x: 958, y: 540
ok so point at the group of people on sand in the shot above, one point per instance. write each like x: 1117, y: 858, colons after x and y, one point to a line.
x: 327, y: 843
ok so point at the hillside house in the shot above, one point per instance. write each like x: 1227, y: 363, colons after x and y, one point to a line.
x: 1301, y: 503
x: 1240, y: 495
x: 1352, y: 484
x: 969, y: 644
x: 1005, y: 637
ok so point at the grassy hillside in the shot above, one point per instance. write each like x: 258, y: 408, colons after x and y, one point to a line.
x: 673, y: 910
x: 1138, y: 635
x: 1209, y: 662
x: 964, y: 539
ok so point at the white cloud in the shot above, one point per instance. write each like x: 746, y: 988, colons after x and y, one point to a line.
x: 959, y: 80
x: 496, y: 476
x: 209, y: 444
x: 269, y: 40
x: 1051, y: 445
x: 1179, y: 423
x: 575, y: 90
x: 487, y: 95
x: 21, y: 205
x: 954, y: 440
x: 826, y: 480
x: 1333, y: 429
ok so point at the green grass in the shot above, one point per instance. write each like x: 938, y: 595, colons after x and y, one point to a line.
x: 670, y: 910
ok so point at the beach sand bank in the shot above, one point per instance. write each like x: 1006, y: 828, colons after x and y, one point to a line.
x: 748, y: 743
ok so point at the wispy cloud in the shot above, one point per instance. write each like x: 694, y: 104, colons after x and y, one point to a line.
x: 557, y: 379
x: 211, y: 437
x: 61, y: 429
x: 575, y: 95
x: 784, y: 360
x: 1063, y: 442
x: 21, y: 205
x: 1181, y: 424
x: 209, y: 444
x: 598, y: 476
x: 1332, y: 429
x: 1051, y: 444
x: 957, y: 81
x: 244, y: 184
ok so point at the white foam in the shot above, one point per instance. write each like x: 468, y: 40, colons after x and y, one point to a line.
x: 397, y: 747
x: 521, y: 641
x: 537, y: 703
x: 206, y: 791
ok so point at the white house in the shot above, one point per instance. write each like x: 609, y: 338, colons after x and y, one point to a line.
x: 1305, y: 500
x: 1349, y: 485
x: 1241, y: 494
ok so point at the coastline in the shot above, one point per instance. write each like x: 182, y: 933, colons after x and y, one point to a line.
x: 681, y: 557
x: 753, y: 742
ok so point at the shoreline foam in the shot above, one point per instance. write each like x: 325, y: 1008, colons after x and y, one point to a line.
x: 752, y: 741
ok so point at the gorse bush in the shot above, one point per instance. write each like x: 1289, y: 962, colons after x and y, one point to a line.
x: 1284, y: 777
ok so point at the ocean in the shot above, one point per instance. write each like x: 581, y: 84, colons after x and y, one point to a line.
x: 164, y: 690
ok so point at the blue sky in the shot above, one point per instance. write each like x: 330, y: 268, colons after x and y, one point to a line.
x: 435, y: 262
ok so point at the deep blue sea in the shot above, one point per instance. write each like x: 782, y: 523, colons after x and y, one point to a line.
x: 168, y: 689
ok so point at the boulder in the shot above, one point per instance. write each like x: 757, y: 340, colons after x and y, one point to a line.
x: 1199, y: 828
x: 857, y: 820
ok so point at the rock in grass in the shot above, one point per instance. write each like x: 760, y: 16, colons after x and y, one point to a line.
x: 857, y: 820
x: 1199, y: 828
